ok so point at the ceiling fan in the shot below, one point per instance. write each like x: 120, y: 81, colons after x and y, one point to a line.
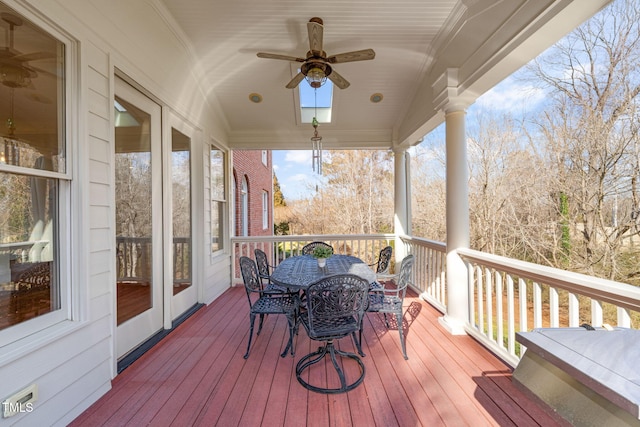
x: 15, y: 72
x: 316, y: 67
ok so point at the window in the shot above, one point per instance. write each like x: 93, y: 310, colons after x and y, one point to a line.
x: 265, y: 210
x: 265, y: 160
x: 218, y: 201
x: 233, y: 206
x: 244, y: 207
x: 34, y: 181
x: 181, y: 210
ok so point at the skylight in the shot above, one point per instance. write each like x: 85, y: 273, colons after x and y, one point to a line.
x: 123, y: 118
x: 310, y: 98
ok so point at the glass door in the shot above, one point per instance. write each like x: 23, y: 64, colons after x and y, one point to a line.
x: 184, y: 293
x: 138, y: 207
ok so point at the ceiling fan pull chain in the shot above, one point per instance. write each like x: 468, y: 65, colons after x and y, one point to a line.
x: 11, y: 125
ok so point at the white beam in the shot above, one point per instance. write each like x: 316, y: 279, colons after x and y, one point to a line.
x: 400, y: 218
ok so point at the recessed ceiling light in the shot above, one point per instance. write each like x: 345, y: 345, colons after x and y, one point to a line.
x: 255, y: 97
x: 376, y: 97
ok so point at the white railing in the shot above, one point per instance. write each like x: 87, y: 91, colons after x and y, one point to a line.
x: 364, y: 246
x: 508, y: 296
x: 505, y: 295
x: 429, y: 272
x: 133, y: 257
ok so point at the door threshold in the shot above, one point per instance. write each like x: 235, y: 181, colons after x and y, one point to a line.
x: 137, y: 352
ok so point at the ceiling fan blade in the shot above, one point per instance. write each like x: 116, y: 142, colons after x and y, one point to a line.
x: 34, y: 56
x: 295, y: 81
x: 277, y: 56
x: 338, y: 80
x: 316, y: 32
x: 48, y: 73
x: 358, y: 55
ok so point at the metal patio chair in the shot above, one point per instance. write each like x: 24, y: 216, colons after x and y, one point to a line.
x: 335, y: 308
x: 264, y: 271
x: 309, y: 247
x: 390, y: 298
x: 382, y: 267
x: 261, y: 303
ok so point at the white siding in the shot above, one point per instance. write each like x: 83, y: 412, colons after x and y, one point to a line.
x: 73, y: 366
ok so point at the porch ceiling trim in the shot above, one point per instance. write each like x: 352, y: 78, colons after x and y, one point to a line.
x: 300, y: 139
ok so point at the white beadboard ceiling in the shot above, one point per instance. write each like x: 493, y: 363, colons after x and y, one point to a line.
x: 416, y: 42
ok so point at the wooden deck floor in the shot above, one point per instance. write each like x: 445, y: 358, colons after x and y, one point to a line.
x: 197, y: 376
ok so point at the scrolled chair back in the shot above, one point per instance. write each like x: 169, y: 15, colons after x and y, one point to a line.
x: 262, y: 263
x: 309, y: 247
x: 250, y: 275
x: 384, y: 260
x: 333, y: 299
x: 404, y: 276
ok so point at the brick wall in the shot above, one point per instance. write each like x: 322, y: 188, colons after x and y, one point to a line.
x: 248, y: 164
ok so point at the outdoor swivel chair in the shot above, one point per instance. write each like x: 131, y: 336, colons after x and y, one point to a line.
x: 335, y: 308
x: 263, y: 303
x: 390, y: 298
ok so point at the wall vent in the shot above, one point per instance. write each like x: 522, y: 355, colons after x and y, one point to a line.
x: 20, y: 402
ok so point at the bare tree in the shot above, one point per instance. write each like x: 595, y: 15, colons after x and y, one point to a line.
x: 428, y: 188
x: 356, y: 198
x: 133, y: 196
x: 590, y: 132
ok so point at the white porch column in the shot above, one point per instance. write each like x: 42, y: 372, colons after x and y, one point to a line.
x: 401, y: 223
x: 457, y: 220
x: 450, y: 98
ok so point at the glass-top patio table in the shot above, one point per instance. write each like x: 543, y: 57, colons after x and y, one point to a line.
x: 299, y: 272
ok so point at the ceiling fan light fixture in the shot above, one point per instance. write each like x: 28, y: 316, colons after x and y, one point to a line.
x: 15, y: 77
x: 316, y: 77
x: 315, y: 73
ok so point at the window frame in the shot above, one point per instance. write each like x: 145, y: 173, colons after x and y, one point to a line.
x: 265, y: 209
x: 234, y: 209
x: 26, y: 335
x: 244, y: 207
x: 219, y: 198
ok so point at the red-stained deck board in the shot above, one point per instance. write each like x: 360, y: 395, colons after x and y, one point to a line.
x: 259, y: 392
x: 249, y: 394
x: 489, y: 387
x: 197, y: 376
x: 440, y: 362
x: 447, y: 353
x: 300, y: 405
x: 277, y: 398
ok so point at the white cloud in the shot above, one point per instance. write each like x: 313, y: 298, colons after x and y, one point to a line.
x: 298, y: 156
x: 300, y: 177
x: 294, y: 173
x: 511, y: 95
x: 296, y: 186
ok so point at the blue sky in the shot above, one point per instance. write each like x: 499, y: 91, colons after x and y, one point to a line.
x: 320, y: 97
x: 293, y: 167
